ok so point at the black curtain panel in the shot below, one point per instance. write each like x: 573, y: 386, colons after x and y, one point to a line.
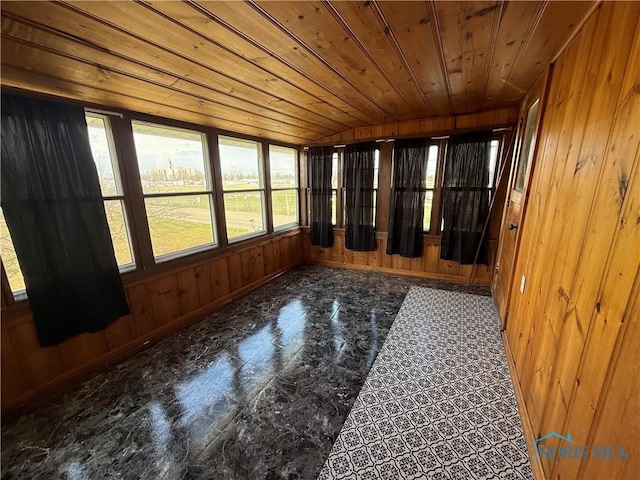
x: 55, y: 214
x: 320, y: 161
x: 466, y: 198
x: 408, y: 192
x: 359, y: 162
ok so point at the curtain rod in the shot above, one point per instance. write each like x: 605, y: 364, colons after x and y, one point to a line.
x: 104, y: 112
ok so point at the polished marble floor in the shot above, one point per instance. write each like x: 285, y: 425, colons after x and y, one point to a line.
x: 258, y: 389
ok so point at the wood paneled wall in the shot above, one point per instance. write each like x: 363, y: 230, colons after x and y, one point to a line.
x: 160, y: 303
x: 498, y: 117
x: 573, y: 334
x: 428, y: 266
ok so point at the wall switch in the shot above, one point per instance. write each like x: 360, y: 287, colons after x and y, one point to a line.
x: 522, y: 282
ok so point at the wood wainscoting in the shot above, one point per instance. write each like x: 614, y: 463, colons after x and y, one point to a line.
x: 160, y: 304
x: 429, y: 265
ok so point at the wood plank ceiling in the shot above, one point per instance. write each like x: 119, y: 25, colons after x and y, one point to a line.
x: 291, y: 71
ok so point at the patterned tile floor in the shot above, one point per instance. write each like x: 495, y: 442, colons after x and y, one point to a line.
x: 438, y: 402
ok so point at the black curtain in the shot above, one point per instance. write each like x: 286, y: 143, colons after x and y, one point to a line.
x: 466, y: 198
x: 55, y: 214
x: 408, y: 192
x: 320, y: 161
x: 359, y: 162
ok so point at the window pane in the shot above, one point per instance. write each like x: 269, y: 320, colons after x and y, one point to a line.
x: 103, y: 155
x: 525, y: 152
x: 244, y: 213
x: 241, y: 164
x: 493, y: 160
x: 334, y: 208
x: 170, y: 159
x: 179, y: 223
x: 428, y: 202
x: 334, y: 170
x: 376, y: 166
x: 285, y: 207
x: 432, y: 163
x: 282, y: 162
x: 9, y: 259
x: 119, y: 232
x: 375, y: 208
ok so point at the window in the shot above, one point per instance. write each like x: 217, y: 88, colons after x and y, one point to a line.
x: 494, y: 147
x: 10, y: 262
x: 432, y: 168
x: 177, y: 188
x: 243, y: 187
x: 102, y: 148
x: 103, y: 152
x: 283, y: 169
x: 334, y: 188
x: 376, y: 167
x: 525, y: 151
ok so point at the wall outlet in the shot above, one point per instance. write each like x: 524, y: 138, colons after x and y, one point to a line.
x: 522, y: 282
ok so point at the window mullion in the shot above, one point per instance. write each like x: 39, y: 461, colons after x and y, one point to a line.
x: 218, y: 193
x: 132, y: 189
x: 266, y: 177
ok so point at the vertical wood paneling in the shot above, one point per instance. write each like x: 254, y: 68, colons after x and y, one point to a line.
x: 82, y: 349
x: 188, y: 294
x: 14, y: 380
x: 284, y: 251
x: 579, y: 250
x: 203, y: 279
x: 43, y: 364
x: 257, y: 263
x: 158, y: 305
x: 619, y: 406
x: 269, y: 266
x: 428, y: 265
x: 234, y: 263
x: 140, y: 306
x: 296, y: 245
x: 220, y: 278
x: 245, y: 259
x: 120, y: 332
x: 163, y: 295
x: 277, y: 259
x: 539, y: 360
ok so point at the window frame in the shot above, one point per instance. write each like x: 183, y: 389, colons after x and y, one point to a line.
x: 271, y: 189
x: 500, y: 137
x: 263, y: 191
x: 376, y: 181
x: 120, y: 186
x: 436, y: 190
x: 120, y: 134
x: 209, y: 190
x: 7, y: 290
